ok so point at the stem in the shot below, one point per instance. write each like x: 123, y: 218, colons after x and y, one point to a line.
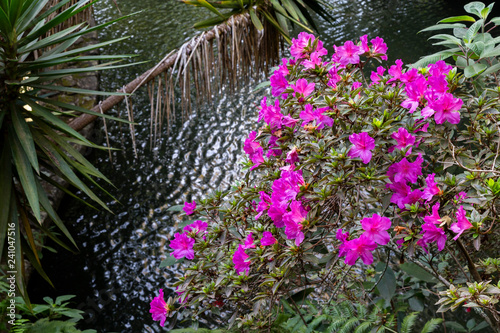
x: 470, y: 263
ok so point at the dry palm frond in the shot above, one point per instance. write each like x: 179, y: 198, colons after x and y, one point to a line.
x: 223, y: 55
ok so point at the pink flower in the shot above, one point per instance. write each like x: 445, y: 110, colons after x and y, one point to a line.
x: 159, y: 309
x: 461, y: 197
x: 415, y: 91
x: 410, y: 76
x: 189, y: 207
x: 404, y: 170
x: 349, y: 53
x: 265, y: 201
x: 379, y: 48
x: 196, y: 226
x: 300, y: 46
x: 249, y: 242
x: 376, y: 228
x: 240, y: 261
x: 292, y: 156
x: 434, y: 218
x: 356, y: 85
x: 401, y: 192
x: 257, y: 159
x: 278, y: 83
x: 432, y: 189
x: 343, y: 238
x: 303, y: 89
x: 251, y: 146
x: 362, y: 146
x: 272, y: 115
x: 276, y: 212
x: 446, y: 109
x: 309, y: 115
x: 268, y: 239
x: 395, y: 71
x: 364, y: 43
x: 432, y: 233
x: 376, y: 76
x: 360, y: 247
x: 439, y: 68
x: 288, y: 121
x: 313, y: 61
x: 293, y: 222
x: 333, y: 77
x: 403, y: 139
x: 286, y: 188
x: 462, y: 223
x: 182, y: 246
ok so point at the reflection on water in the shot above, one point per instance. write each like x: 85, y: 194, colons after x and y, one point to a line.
x: 116, y: 272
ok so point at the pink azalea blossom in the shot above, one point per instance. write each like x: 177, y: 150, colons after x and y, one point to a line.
x: 421, y: 242
x: 303, y: 89
x: 249, y: 242
x: 286, y: 188
x: 356, y: 85
x: 265, y: 202
x: 292, y: 156
x: 446, y: 109
x: 159, y: 309
x: 432, y: 189
x: 433, y: 233
x: 273, y: 116
x: 439, y: 68
x: 395, y: 71
x: 276, y: 212
x: 257, y: 159
x: 241, y: 264
x: 268, y: 239
x: 343, y: 238
x: 349, y: 53
x: 462, y: 223
x: 278, y: 83
x: 299, y: 47
x: 438, y: 84
x: 403, y: 139
x: 461, y: 197
x: 271, y: 146
x: 333, y: 77
x: 196, y: 227
x: 401, y: 192
x: 360, y: 247
x: 376, y: 228
x: 376, y: 76
x: 251, y: 146
x: 309, y: 115
x: 434, y: 218
x: 288, y: 121
x: 364, y: 43
x: 379, y: 48
x: 410, y: 76
x: 362, y: 146
x: 189, y: 207
x: 182, y: 245
x: 293, y: 222
x: 415, y: 91
x: 313, y: 61
x: 405, y: 170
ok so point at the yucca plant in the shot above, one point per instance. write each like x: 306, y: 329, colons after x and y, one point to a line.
x: 36, y: 144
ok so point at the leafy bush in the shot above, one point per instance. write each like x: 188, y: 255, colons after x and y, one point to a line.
x: 399, y: 171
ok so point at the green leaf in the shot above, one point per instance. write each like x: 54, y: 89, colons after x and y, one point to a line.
x: 417, y: 272
x: 47, y: 206
x: 176, y: 208
x: 450, y: 38
x: 210, y: 22
x: 289, y: 8
x: 432, y: 325
x: 492, y: 52
x: 480, y: 327
x: 24, y: 135
x: 473, y: 29
x: 387, y: 285
x: 170, y: 261
x: 455, y: 326
x: 79, y: 91
x: 461, y: 18
x: 255, y: 20
x: 443, y: 26
x: 475, y: 69
x: 474, y: 7
x: 25, y: 174
x: 478, y: 48
x: 207, y: 5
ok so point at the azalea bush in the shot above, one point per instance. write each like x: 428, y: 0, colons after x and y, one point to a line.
x: 359, y: 187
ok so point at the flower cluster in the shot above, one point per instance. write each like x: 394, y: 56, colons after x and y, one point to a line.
x: 340, y: 167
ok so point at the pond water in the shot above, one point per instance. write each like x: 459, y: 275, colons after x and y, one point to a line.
x: 115, y: 274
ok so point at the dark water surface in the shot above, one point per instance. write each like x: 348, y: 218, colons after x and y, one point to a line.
x: 116, y: 272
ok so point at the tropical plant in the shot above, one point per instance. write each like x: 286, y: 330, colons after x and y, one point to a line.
x: 474, y: 49
x: 36, y: 144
